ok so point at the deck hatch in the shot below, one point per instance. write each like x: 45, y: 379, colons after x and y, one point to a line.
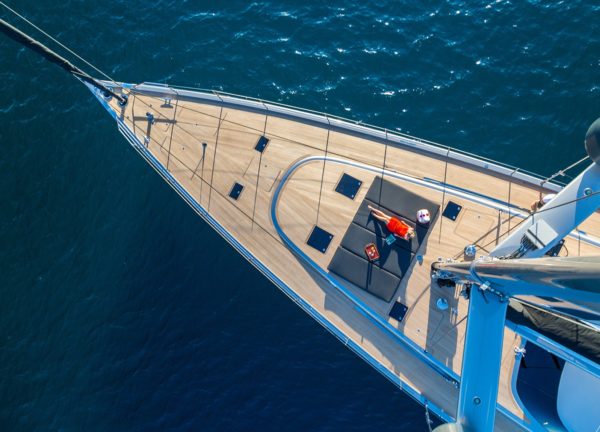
x: 319, y: 239
x: 452, y: 210
x: 236, y: 190
x: 398, y: 311
x: 261, y: 144
x: 348, y: 186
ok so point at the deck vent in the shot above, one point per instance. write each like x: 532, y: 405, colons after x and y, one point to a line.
x: 348, y: 186
x: 261, y: 144
x: 398, y: 311
x: 236, y: 190
x: 452, y: 210
x: 319, y: 239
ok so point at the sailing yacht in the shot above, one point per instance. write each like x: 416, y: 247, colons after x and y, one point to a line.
x: 488, y: 314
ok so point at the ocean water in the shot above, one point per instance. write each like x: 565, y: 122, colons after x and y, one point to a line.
x: 121, y: 310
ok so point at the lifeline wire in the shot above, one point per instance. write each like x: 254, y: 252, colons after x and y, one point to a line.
x: 545, y: 209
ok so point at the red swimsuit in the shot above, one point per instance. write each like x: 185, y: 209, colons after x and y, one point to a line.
x: 398, y: 227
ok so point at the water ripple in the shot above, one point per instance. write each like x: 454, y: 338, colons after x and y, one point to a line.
x: 116, y: 315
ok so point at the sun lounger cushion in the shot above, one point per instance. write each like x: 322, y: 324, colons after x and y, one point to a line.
x: 382, y: 277
x: 364, y: 274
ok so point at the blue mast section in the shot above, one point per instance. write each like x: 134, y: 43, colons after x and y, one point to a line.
x: 481, y: 361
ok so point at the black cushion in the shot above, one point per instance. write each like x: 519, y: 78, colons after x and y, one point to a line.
x: 393, y: 258
x: 382, y: 277
x: 363, y: 273
x: 399, y: 200
x: 348, y: 186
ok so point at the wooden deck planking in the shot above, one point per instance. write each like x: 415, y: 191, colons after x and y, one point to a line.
x: 592, y: 225
x: 440, y: 332
x: 509, y: 359
x: 295, y: 134
x: 477, y: 182
x: 233, y: 217
x: 412, y: 164
x: 330, y: 302
x: 231, y: 135
x: 278, y: 156
x: 354, y: 148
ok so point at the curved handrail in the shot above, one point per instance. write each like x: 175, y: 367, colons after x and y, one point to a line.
x: 422, y: 354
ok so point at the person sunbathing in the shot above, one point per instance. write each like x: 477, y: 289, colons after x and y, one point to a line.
x: 393, y: 224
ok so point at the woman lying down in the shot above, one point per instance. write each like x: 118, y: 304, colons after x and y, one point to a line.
x: 393, y: 224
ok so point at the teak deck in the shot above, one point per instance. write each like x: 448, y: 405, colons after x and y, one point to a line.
x: 307, y: 197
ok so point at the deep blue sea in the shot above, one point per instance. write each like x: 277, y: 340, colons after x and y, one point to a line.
x: 120, y: 310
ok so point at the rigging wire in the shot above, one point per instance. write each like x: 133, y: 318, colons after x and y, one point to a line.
x: 58, y: 42
x: 545, y: 209
x: 558, y: 173
x: 561, y: 172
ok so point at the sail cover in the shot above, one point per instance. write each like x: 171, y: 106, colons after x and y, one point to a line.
x: 576, y: 337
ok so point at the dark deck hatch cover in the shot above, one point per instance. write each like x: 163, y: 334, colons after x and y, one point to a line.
x: 236, y: 190
x: 398, y: 311
x: 319, y: 239
x: 348, y: 186
x: 452, y: 210
x: 261, y: 144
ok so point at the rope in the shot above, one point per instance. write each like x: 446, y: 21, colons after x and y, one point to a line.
x: 562, y: 171
x: 59, y: 43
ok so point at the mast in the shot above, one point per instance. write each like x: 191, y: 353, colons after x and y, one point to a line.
x: 28, y: 42
x: 517, y: 266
